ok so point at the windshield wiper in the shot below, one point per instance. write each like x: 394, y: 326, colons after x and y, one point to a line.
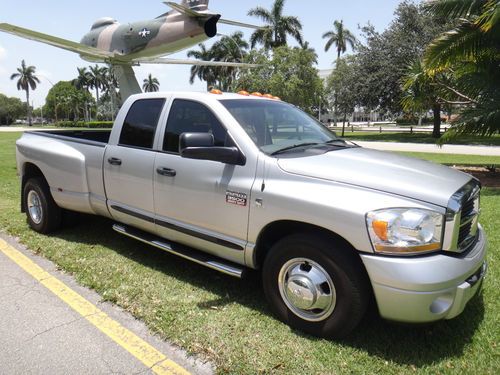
x: 344, y: 143
x: 292, y: 147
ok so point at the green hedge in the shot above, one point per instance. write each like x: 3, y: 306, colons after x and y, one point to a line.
x: 414, y: 121
x: 83, y: 124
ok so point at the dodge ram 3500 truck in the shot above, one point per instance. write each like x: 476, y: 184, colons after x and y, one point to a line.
x: 235, y: 181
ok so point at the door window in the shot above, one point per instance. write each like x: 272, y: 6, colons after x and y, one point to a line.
x: 191, y: 117
x: 140, y: 124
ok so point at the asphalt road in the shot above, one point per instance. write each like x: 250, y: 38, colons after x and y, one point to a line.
x: 41, y: 334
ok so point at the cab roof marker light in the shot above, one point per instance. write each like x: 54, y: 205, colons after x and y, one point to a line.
x: 216, y: 92
x: 269, y: 96
x: 276, y: 98
x: 243, y: 92
x: 256, y: 94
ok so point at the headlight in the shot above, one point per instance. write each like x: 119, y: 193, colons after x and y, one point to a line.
x: 405, y: 230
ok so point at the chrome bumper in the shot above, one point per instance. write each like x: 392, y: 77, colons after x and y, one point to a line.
x: 426, y: 289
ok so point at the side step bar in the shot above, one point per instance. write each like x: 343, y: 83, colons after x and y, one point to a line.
x: 185, y: 252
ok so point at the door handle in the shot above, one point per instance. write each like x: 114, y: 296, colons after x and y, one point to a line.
x: 166, y: 172
x: 115, y: 161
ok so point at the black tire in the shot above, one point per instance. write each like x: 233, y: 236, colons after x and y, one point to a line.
x: 344, y: 269
x: 48, y: 218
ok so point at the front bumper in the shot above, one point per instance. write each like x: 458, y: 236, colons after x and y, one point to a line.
x: 426, y: 289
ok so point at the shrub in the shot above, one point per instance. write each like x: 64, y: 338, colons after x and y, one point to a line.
x: 83, y: 124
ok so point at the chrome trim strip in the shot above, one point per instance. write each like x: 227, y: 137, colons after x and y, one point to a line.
x: 180, y: 229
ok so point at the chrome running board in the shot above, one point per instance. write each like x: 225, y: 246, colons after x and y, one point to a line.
x: 185, y: 252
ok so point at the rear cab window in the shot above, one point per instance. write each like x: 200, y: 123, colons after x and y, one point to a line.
x: 140, y: 124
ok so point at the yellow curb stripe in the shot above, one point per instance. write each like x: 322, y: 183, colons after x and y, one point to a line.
x: 140, y: 349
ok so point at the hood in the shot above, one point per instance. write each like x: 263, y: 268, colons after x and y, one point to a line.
x: 389, y: 172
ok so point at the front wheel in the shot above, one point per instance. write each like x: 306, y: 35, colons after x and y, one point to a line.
x: 316, y: 285
x: 43, y: 214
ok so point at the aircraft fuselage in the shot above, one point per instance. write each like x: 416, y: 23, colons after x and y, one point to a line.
x: 145, y: 39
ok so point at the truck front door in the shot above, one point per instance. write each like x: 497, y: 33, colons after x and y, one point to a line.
x: 201, y: 203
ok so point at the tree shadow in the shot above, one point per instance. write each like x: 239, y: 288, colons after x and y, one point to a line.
x: 417, y: 345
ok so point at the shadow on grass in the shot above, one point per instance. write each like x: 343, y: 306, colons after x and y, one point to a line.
x: 417, y: 345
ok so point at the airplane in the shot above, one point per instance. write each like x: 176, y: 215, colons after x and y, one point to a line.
x: 123, y: 46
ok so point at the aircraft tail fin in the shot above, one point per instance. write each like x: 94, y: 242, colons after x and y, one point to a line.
x: 197, y: 5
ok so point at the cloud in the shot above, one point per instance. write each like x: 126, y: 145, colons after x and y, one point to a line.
x: 3, y: 53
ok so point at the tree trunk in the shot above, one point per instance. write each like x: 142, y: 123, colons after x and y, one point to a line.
x: 343, y: 125
x: 436, y: 132
x: 28, y: 104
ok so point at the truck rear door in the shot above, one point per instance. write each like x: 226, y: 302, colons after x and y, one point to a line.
x: 129, y: 163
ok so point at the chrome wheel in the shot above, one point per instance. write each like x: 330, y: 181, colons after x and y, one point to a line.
x: 35, y: 207
x: 307, y: 289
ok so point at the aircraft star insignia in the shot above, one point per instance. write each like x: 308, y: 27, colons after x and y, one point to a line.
x: 144, y: 33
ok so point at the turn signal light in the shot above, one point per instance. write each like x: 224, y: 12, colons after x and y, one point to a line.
x: 380, y: 229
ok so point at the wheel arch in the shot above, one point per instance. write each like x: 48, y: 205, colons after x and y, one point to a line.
x: 29, y: 170
x: 275, y: 231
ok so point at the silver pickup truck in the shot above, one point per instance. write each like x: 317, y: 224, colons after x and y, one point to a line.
x: 238, y: 181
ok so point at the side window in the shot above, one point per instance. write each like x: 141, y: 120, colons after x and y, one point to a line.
x: 191, y: 117
x: 140, y: 124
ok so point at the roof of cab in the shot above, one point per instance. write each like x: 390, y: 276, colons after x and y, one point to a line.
x: 200, y: 95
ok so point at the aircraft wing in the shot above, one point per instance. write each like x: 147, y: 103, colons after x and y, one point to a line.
x: 56, y: 42
x: 193, y: 62
x: 240, y: 24
x: 192, y: 13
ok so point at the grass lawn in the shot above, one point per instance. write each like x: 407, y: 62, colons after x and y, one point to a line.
x: 227, y: 320
x: 417, y: 138
x: 452, y: 159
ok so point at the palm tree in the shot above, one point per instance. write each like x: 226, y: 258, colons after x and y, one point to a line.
x: 340, y: 36
x: 26, y: 80
x: 151, y: 84
x: 204, y: 73
x: 232, y: 48
x: 421, y: 93
x: 278, y: 26
x: 97, y: 79
x: 471, y: 51
x: 306, y: 47
x: 82, y: 82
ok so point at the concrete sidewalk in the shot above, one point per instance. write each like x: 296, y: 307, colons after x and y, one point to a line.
x: 41, y: 334
x: 432, y: 148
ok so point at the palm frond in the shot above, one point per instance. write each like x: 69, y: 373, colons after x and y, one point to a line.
x: 454, y: 8
x: 461, y: 43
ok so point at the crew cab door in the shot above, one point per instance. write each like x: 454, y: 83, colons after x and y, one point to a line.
x: 201, y: 203
x: 128, y: 165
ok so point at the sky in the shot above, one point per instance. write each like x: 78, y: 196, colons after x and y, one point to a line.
x: 72, y: 19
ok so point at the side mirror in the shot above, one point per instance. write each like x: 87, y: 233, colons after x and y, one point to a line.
x: 201, y: 146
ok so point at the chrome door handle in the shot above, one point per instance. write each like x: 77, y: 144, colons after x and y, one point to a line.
x: 114, y: 161
x: 166, y: 172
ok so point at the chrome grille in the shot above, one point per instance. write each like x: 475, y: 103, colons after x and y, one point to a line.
x: 468, y: 221
x: 462, y: 218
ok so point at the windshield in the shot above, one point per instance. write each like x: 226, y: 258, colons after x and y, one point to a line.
x: 275, y: 126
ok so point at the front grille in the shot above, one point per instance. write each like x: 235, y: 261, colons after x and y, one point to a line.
x: 461, y: 227
x: 468, y: 220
